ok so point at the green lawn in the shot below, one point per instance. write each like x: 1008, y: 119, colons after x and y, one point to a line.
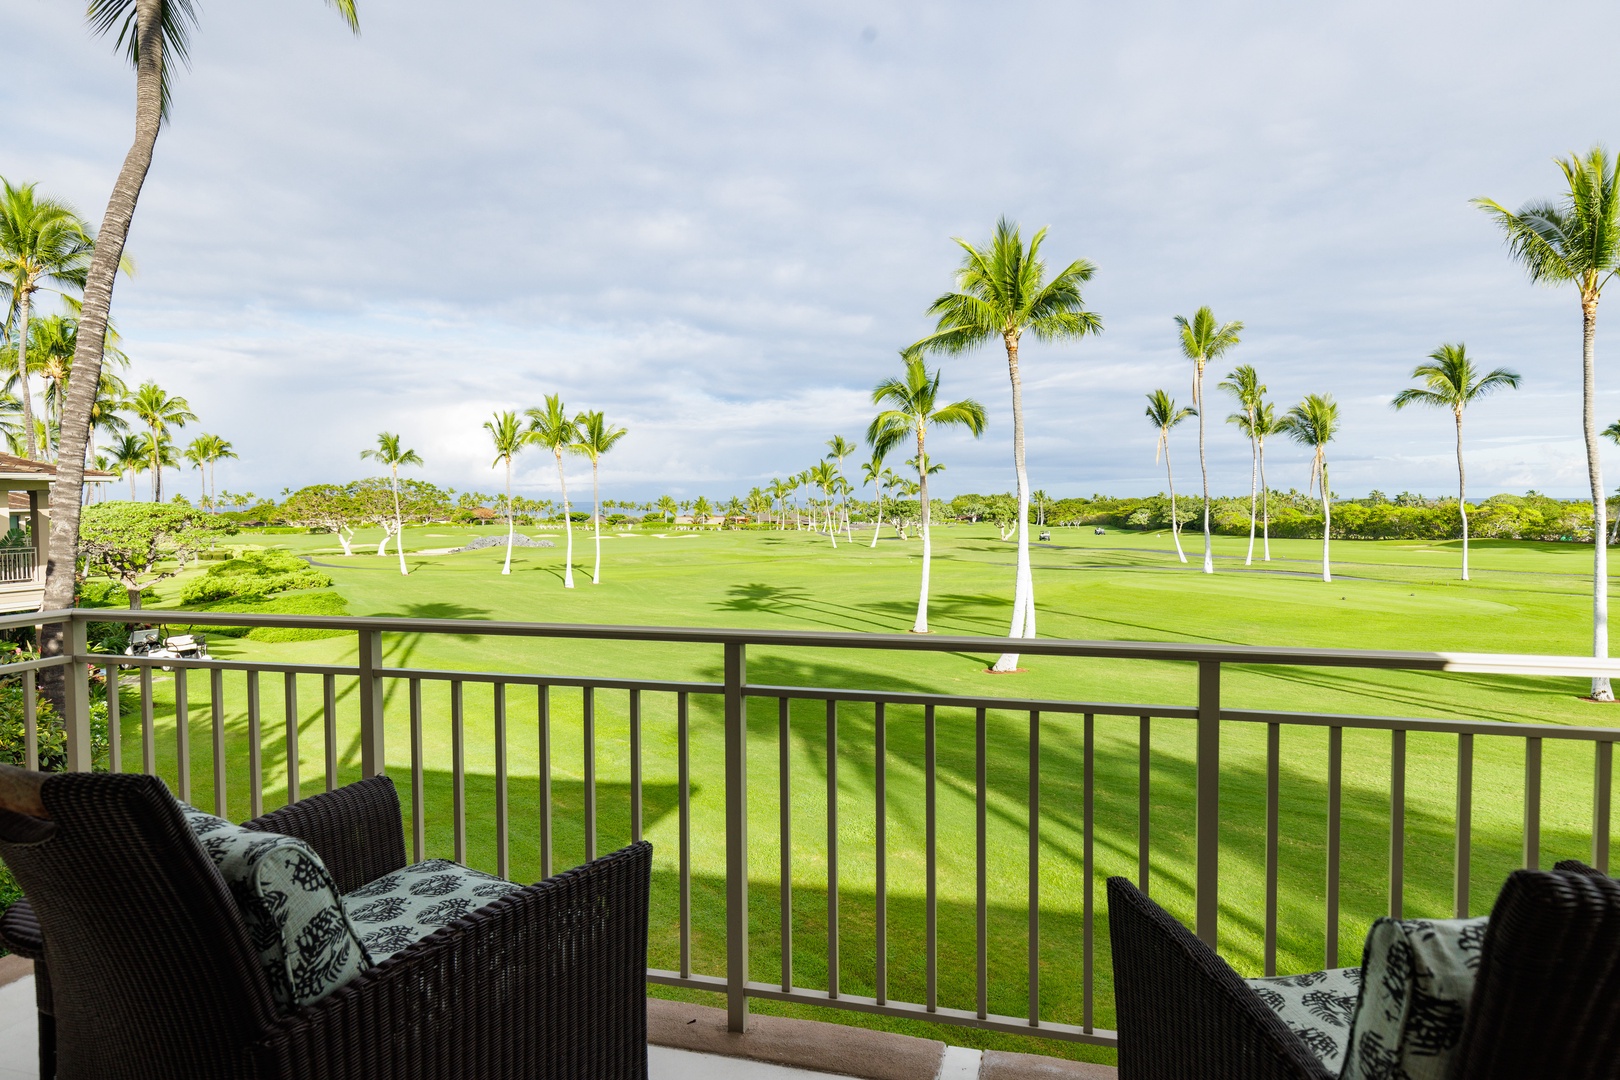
x: 1394, y: 595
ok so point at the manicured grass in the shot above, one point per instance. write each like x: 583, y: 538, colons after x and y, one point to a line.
x: 1390, y: 595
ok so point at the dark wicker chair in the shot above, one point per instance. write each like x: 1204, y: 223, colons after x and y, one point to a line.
x: 145, y: 968
x: 1547, y: 1001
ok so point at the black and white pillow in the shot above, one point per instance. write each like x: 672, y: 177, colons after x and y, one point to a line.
x: 1316, y: 1006
x: 406, y: 906
x: 291, y: 905
x: 1418, y: 979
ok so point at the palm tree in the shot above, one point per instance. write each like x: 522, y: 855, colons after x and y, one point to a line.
x: 840, y: 448
x: 595, y: 439
x: 155, y: 408
x: 872, y: 472
x: 1202, y: 341
x: 913, y: 404
x: 150, y: 31
x: 158, y: 450
x: 1314, y: 422
x: 666, y: 506
x: 1163, y: 414
x: 1243, y: 384
x: 127, y: 456
x: 389, y: 451
x: 1453, y: 383
x: 778, y: 491
x: 822, y: 475
x: 1266, y: 423
x: 218, y: 450
x: 196, y: 452
x: 507, y: 432
x: 1577, y: 239
x: 1002, y: 292
x: 552, y: 428
x: 41, y: 240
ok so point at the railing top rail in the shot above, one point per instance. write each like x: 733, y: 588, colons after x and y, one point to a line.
x: 1187, y: 652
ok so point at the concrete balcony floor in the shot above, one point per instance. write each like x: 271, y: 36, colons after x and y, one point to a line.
x: 681, y: 1038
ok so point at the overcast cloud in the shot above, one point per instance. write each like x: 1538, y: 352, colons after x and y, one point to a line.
x: 718, y: 222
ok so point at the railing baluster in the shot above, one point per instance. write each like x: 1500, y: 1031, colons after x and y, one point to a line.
x: 1602, y: 790
x: 502, y: 855
x: 1144, y: 801
x: 1088, y: 817
x: 1206, y: 899
x: 148, y: 723
x: 115, y: 734
x: 832, y: 848
x: 736, y: 761
x: 1273, y: 798
x: 982, y: 905
x: 1397, y: 823
x: 255, y: 747
x: 1465, y: 813
x: 182, y: 734
x: 418, y: 811
x: 588, y: 725
x: 881, y: 764
x: 329, y: 712
x: 1334, y: 834
x: 30, y: 722
x: 683, y: 767
x: 216, y: 708
x: 458, y: 769
x: 543, y: 709
x: 1532, y: 804
x: 784, y: 799
x: 289, y: 690
x: 931, y: 859
x: 635, y: 766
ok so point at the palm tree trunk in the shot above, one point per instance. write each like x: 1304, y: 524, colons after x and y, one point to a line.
x: 1265, y: 503
x: 507, y: 567
x: 877, y: 521
x: 1600, y: 507
x: 1175, y: 522
x: 568, y: 526
x: 1327, y: 524
x: 1203, y: 463
x: 1254, y: 488
x: 596, y: 522
x: 1023, y: 619
x: 24, y: 298
x: 131, y: 485
x: 1462, y: 505
x: 920, y: 624
x: 399, y: 524
x: 832, y: 521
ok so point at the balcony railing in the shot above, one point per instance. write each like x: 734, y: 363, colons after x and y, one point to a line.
x: 1044, y: 793
x: 17, y: 566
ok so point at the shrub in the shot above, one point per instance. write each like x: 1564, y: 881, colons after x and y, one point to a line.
x: 326, y: 602
x: 253, y: 576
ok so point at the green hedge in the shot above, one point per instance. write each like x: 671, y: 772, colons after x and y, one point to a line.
x: 324, y: 602
x: 253, y: 576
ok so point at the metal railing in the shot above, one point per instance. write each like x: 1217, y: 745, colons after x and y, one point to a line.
x: 1071, y: 720
x: 17, y: 566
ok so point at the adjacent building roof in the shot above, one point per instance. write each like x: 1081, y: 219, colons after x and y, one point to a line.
x: 13, y: 467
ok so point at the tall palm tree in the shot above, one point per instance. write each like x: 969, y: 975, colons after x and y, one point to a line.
x: 150, y: 31
x: 1243, y: 384
x: 1451, y: 382
x: 1002, y: 292
x: 1314, y: 422
x: 1266, y: 424
x: 822, y: 475
x: 218, y: 450
x: 595, y: 439
x: 1203, y: 341
x: 507, y: 432
x: 1163, y: 414
x: 666, y: 507
x: 158, y: 450
x: 196, y: 452
x: 840, y: 448
x: 1576, y: 239
x: 42, y: 241
x: 552, y: 428
x: 778, y: 491
x: 872, y: 472
x: 127, y: 456
x: 160, y: 412
x: 913, y: 405
x: 392, y: 453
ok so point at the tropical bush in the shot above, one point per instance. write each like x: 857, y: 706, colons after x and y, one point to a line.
x: 325, y: 602
x: 254, y: 575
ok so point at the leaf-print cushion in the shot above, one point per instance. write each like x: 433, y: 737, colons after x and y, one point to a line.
x: 291, y: 906
x: 404, y: 907
x: 1316, y: 1006
x: 1420, y: 977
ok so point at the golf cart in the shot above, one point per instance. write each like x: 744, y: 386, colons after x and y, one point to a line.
x: 155, y: 644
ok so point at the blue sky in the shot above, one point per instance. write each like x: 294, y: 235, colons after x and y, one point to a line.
x: 718, y: 222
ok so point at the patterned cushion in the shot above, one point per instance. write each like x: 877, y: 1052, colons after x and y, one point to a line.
x: 1317, y: 1007
x: 293, y: 912
x: 406, y: 906
x: 1419, y: 979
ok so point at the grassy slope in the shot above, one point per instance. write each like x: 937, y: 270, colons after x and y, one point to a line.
x: 1527, y: 597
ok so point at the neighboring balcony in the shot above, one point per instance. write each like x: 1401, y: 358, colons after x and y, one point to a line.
x: 835, y: 827
x: 22, y: 580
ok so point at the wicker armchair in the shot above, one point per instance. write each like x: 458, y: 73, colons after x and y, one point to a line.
x: 1546, y: 1002
x: 148, y: 970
